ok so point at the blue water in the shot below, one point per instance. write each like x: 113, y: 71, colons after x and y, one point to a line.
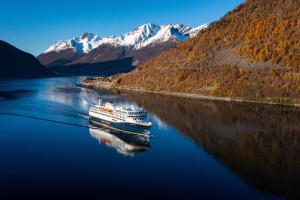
x: 196, y: 149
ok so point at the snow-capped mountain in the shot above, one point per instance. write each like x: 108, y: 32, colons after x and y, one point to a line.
x: 140, y: 37
x: 147, y: 36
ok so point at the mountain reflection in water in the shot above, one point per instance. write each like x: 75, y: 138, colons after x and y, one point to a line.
x: 126, y: 144
x: 260, y: 143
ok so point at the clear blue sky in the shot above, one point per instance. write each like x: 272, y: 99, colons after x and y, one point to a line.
x: 32, y: 25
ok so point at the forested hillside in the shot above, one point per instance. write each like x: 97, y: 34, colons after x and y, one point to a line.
x: 253, y: 52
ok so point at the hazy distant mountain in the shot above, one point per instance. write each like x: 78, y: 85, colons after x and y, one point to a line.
x: 141, y: 44
x: 15, y: 63
x: 106, y: 68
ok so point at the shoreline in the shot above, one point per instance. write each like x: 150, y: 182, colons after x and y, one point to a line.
x: 107, y: 85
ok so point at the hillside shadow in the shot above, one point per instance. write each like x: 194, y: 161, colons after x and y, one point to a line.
x: 260, y: 143
x: 106, y: 68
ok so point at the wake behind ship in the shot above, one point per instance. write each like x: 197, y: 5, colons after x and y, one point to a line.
x: 125, y: 118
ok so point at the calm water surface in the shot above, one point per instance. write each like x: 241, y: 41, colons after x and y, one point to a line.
x: 196, y: 149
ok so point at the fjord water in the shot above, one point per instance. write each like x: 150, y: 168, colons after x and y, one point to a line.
x: 197, y: 149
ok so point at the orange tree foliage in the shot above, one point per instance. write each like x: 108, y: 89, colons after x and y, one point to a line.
x: 261, y: 31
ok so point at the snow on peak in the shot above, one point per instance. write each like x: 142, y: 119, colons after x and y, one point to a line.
x: 194, y: 31
x: 142, y: 36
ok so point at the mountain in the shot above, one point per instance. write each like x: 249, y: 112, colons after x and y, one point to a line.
x: 141, y: 44
x: 251, y: 53
x: 106, y: 68
x: 15, y: 63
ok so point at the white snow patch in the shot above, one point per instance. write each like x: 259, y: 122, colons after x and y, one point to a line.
x: 147, y: 34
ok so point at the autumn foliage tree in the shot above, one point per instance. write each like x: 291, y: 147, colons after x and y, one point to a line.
x: 263, y: 41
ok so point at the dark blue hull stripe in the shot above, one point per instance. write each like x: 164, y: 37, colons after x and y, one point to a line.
x: 135, y: 128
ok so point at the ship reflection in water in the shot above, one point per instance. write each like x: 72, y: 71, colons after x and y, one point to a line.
x: 124, y: 143
x: 242, y: 151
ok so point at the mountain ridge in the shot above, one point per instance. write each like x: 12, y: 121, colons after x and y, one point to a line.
x: 251, y: 53
x: 15, y: 63
x: 139, y: 37
x: 146, y: 36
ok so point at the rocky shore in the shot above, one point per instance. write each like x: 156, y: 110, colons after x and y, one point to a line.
x: 108, y: 83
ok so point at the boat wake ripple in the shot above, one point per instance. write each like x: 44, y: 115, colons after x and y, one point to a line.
x: 49, y: 120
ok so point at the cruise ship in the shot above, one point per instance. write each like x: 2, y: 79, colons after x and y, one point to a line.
x: 125, y: 118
